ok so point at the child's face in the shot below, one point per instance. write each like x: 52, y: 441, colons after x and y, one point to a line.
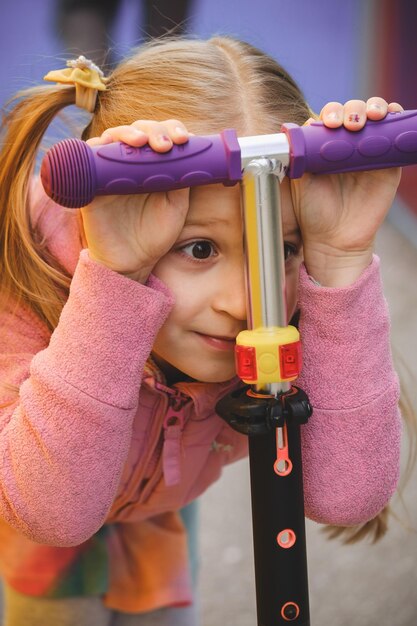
x: 205, y: 272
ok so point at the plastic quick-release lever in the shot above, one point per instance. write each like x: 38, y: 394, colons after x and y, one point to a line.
x: 73, y: 172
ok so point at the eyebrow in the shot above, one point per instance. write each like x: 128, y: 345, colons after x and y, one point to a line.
x: 209, y: 221
x: 294, y: 232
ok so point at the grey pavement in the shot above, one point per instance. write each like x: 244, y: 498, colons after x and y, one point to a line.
x: 360, y: 585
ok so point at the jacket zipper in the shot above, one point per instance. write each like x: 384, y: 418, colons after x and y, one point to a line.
x: 171, y: 448
x: 166, y: 457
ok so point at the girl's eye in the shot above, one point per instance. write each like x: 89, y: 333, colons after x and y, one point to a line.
x: 204, y: 249
x: 199, y: 250
x: 289, y: 251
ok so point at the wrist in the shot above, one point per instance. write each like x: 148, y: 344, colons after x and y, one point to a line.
x: 337, y: 269
x: 139, y: 276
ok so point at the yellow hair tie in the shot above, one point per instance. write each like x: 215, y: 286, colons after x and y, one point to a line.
x: 87, y: 78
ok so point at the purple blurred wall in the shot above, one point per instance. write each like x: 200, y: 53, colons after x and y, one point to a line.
x: 319, y: 42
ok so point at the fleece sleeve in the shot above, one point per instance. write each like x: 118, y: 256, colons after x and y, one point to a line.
x: 64, y: 441
x: 351, y: 445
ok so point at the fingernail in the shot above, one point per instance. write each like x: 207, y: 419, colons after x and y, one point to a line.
x: 106, y: 137
x: 181, y: 131
x: 375, y: 107
x: 333, y: 116
x: 354, y: 117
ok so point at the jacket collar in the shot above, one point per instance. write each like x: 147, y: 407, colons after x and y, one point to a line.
x: 203, y: 395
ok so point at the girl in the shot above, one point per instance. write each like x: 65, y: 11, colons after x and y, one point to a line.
x: 118, y: 326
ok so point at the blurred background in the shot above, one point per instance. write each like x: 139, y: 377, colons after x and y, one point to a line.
x: 336, y: 51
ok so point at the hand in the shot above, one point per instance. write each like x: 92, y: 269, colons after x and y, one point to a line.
x: 339, y: 214
x: 129, y: 234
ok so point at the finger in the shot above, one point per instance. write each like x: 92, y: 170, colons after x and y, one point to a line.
x: 177, y: 131
x: 95, y: 141
x: 332, y: 114
x: 394, y: 107
x: 158, y: 133
x: 376, y: 108
x: 180, y: 198
x: 174, y: 129
x: 139, y: 133
x: 162, y: 134
x: 354, y: 114
x: 127, y: 134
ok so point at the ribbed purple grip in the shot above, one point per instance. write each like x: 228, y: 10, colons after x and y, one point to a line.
x: 391, y: 142
x: 73, y: 172
x: 68, y: 173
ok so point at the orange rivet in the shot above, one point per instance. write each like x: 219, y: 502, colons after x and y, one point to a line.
x: 290, y: 611
x: 286, y: 538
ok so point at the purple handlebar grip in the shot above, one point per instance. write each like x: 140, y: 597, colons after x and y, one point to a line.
x: 72, y: 172
x: 391, y: 142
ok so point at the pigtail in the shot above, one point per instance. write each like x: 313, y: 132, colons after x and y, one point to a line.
x: 27, y: 274
x: 373, y: 530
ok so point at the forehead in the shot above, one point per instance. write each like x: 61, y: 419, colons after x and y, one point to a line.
x: 219, y: 205
x: 214, y: 204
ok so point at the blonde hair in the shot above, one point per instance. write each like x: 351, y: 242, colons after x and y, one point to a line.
x: 208, y: 85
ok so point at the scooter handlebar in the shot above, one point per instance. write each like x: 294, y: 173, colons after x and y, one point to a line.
x: 73, y: 173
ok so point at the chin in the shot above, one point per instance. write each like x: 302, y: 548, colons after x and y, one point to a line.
x: 215, y: 377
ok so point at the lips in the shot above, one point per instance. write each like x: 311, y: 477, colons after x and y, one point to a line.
x: 218, y: 342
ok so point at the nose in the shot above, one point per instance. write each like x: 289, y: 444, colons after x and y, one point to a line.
x: 230, y: 296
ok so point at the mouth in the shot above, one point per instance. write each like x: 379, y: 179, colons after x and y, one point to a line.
x: 218, y: 342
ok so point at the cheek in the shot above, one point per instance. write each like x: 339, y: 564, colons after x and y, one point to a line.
x: 188, y: 299
x: 180, y: 286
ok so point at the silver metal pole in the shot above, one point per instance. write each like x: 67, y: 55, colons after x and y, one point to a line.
x: 265, y: 260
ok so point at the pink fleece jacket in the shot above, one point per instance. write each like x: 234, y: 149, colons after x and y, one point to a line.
x: 84, y: 444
